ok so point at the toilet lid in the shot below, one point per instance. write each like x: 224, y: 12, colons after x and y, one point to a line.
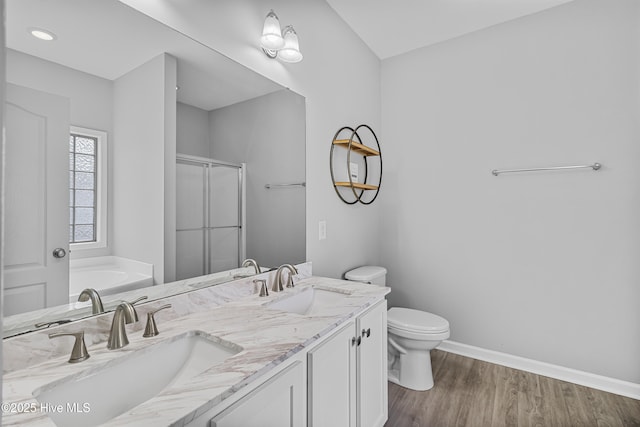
x: 407, y: 319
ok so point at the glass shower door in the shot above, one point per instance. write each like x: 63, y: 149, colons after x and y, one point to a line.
x: 224, y: 218
x: 190, y: 224
x: 210, y: 216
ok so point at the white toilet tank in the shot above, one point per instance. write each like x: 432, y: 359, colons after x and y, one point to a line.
x: 368, y: 274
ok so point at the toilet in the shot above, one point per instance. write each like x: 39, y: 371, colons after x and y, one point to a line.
x: 412, y: 334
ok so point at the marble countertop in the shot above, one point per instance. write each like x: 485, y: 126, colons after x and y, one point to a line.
x: 267, y: 337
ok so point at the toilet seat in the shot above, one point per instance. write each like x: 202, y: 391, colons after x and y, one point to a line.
x: 407, y: 320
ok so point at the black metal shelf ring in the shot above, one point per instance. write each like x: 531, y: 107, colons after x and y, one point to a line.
x: 354, y: 134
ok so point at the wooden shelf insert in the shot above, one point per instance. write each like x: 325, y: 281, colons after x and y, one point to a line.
x: 357, y: 185
x: 357, y: 147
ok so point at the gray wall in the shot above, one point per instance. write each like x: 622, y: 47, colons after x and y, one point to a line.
x: 268, y: 134
x: 91, y: 96
x: 192, y: 131
x: 144, y: 153
x: 540, y: 265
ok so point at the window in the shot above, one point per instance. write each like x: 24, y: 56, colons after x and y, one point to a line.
x: 87, y: 188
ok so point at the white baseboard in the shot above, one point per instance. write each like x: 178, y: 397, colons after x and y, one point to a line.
x: 611, y: 385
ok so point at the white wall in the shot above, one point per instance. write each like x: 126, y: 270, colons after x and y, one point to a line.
x: 144, y: 152
x: 340, y: 79
x: 540, y: 265
x: 192, y: 130
x: 267, y: 133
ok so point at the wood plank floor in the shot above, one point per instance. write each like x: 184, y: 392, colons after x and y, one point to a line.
x: 471, y: 392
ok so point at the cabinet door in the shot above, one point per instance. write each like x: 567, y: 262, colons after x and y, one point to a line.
x: 331, y: 381
x: 372, y: 367
x: 279, y: 402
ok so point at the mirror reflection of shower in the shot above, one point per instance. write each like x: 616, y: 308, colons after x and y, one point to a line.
x: 210, y: 216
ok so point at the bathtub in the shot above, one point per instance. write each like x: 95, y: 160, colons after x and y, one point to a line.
x: 108, y: 275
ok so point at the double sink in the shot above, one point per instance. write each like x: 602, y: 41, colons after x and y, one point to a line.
x: 104, y: 392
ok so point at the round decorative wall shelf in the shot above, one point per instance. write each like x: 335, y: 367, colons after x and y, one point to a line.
x: 354, y: 144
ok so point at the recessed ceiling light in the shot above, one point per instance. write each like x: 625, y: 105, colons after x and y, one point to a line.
x: 41, y: 34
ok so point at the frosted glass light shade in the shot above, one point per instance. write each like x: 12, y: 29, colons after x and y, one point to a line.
x: 291, y: 50
x: 271, y: 35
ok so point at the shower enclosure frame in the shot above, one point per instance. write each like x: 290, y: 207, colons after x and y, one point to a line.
x: 207, y: 164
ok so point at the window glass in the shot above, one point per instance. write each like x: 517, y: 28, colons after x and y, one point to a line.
x: 83, y: 152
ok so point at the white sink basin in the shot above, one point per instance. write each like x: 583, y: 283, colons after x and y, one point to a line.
x: 313, y: 301
x: 101, y: 394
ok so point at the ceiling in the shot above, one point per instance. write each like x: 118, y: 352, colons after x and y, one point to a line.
x: 88, y: 41
x: 391, y: 28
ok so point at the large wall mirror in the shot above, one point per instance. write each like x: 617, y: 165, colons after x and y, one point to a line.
x: 138, y: 160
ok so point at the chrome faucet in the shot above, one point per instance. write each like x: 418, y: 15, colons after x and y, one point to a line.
x: 277, y: 282
x: 96, y: 302
x: 251, y: 262
x: 125, y: 313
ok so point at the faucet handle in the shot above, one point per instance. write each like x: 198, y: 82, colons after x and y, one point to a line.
x: 290, y: 283
x: 79, y: 352
x: 151, y: 330
x: 264, y: 292
x: 52, y: 323
x: 137, y: 300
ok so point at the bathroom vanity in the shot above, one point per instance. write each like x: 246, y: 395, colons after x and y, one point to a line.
x: 310, y: 355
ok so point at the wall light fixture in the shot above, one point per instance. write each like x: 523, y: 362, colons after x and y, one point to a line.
x: 280, y: 44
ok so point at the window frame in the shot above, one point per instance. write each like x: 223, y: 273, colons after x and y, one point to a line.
x: 101, y: 189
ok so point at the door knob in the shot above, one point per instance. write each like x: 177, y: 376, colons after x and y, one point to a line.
x: 59, y: 253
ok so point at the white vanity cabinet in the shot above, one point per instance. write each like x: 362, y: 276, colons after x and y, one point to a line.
x: 278, y: 402
x: 340, y: 381
x: 347, y: 374
x: 372, y: 389
x: 331, y: 380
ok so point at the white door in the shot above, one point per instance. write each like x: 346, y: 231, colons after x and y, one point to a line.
x: 36, y: 200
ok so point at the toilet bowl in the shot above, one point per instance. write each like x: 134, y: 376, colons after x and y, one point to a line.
x: 412, y: 334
